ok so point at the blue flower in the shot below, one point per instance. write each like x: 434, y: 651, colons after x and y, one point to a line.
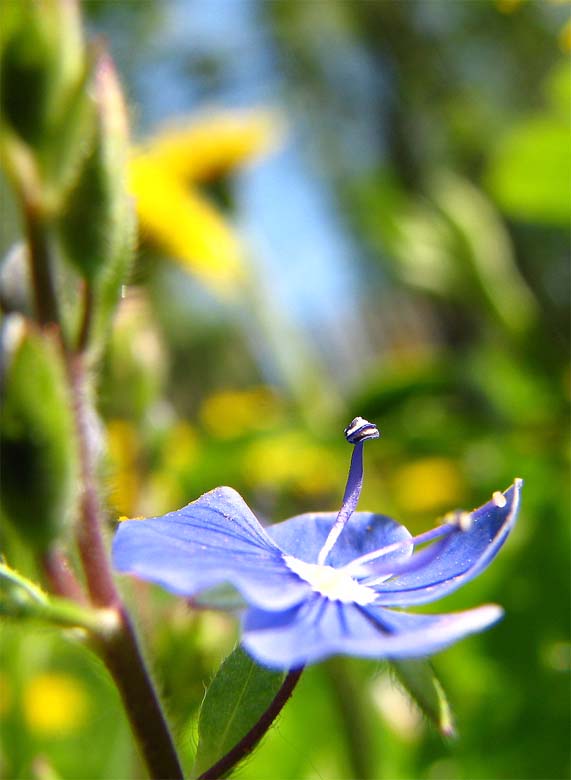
x: 318, y: 585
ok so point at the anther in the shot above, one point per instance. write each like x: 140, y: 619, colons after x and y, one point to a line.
x: 359, y: 430
x: 499, y: 499
x: 459, y: 518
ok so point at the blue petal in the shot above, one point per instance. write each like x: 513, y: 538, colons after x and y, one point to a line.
x: 464, y: 556
x: 304, y: 535
x: 320, y: 628
x: 216, y: 539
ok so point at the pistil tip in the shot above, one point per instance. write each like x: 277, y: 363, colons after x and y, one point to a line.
x: 359, y: 430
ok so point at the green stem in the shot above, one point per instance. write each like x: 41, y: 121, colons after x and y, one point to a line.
x: 355, y: 722
x: 88, y: 295
x: 248, y: 742
x: 41, y: 266
x: 119, y: 649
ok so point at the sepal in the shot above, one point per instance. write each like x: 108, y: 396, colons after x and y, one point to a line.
x: 419, y: 680
x: 238, y: 696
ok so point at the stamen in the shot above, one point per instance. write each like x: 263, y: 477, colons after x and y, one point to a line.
x: 499, y: 499
x: 360, y: 429
x: 383, y: 571
x: 357, y: 432
x: 459, y: 518
x: 427, y: 536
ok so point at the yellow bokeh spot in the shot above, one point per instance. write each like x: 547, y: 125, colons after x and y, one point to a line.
x: 290, y: 460
x: 55, y: 704
x: 215, y: 144
x: 185, y: 225
x: 565, y: 38
x: 232, y: 413
x: 124, y: 452
x: 428, y: 485
x: 180, y: 448
x: 508, y: 6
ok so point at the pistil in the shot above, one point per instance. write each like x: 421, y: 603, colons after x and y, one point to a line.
x: 357, y: 432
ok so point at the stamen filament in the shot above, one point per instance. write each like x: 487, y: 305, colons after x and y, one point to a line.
x: 427, y: 536
x: 415, y: 562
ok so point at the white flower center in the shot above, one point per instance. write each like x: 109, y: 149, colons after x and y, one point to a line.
x: 334, y: 584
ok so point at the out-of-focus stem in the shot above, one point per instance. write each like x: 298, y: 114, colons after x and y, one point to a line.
x: 355, y: 721
x: 245, y: 746
x: 89, y: 535
x: 88, y: 296
x: 41, y: 263
x: 120, y: 650
x: 61, y: 577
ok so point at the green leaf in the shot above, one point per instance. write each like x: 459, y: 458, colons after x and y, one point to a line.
x: 419, y: 680
x: 237, y: 697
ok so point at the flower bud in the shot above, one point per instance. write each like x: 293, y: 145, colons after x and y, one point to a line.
x: 42, y: 61
x: 37, y: 441
x: 97, y: 225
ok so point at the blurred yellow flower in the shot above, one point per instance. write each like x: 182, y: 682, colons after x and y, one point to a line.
x: 215, y: 145
x: 173, y: 214
x: 164, y: 488
x: 428, y: 485
x: 291, y: 460
x: 565, y: 37
x: 124, y: 454
x: 180, y: 447
x: 55, y: 703
x: 232, y: 413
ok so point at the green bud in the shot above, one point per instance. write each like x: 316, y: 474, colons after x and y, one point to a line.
x: 42, y: 61
x: 44, y: 102
x: 37, y: 438
x: 97, y: 225
x: 134, y: 369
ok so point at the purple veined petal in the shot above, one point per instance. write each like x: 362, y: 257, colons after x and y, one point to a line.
x: 303, y: 537
x: 319, y: 628
x: 215, y: 539
x: 463, y: 555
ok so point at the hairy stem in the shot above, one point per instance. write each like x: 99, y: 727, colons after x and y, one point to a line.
x: 41, y: 266
x: 248, y: 742
x: 61, y: 577
x: 120, y: 650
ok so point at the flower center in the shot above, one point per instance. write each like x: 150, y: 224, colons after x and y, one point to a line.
x: 334, y: 584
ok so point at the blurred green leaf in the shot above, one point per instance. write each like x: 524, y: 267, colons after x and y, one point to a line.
x: 37, y: 444
x: 529, y: 171
x: 420, y: 681
x: 238, y: 695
